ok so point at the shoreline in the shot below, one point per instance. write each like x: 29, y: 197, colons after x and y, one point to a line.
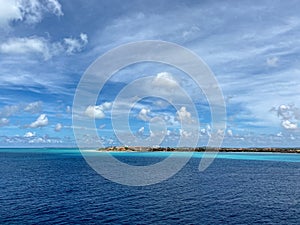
x: 198, y: 149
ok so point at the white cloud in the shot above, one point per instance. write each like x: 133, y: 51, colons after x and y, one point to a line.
x: 8, y: 111
x: 165, y: 80
x: 288, y: 114
x: 289, y: 125
x: 161, y: 85
x: 29, y: 134
x: 168, y: 133
x: 33, y: 107
x: 41, y: 46
x: 141, y: 131
x: 245, y: 53
x: 171, y: 120
x: 184, y: 133
x: 44, y: 139
x: 152, y: 134
x: 202, y: 131
x: 106, y: 105
x: 58, y: 127
x: 284, y: 111
x: 208, y: 130
x: 97, y: 111
x: 68, y: 109
x: 9, y: 10
x: 143, y: 114
x: 102, y: 126
x: 55, y: 7
x: 4, y: 122
x: 238, y: 51
x: 31, y: 138
x: 75, y: 45
x: 29, y: 11
x: 84, y: 38
x: 11, y: 110
x: 94, y: 112
x: 183, y: 115
x: 229, y: 133
x: 30, y: 45
x: 41, y: 121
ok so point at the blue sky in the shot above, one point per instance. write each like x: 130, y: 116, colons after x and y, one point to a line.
x: 252, y: 48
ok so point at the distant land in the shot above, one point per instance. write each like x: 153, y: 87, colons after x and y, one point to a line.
x: 197, y: 149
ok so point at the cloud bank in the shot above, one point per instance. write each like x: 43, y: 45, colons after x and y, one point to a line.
x: 28, y: 11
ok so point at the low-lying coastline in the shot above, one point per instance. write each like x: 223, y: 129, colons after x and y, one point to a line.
x: 196, y: 149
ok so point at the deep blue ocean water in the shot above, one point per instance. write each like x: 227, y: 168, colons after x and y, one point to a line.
x: 56, y: 186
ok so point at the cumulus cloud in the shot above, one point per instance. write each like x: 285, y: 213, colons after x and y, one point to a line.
x: 207, y: 131
x: 289, y: 125
x: 45, y: 140
x: 4, y: 122
x: 229, y: 133
x: 106, y: 105
x: 28, y: 11
x: 144, y: 114
x: 164, y: 80
x: 94, y: 111
x: 74, y: 45
x: 168, y: 133
x: 202, y: 131
x: 9, y: 11
x: 183, y: 115
x: 41, y: 121
x: 97, y: 111
x: 184, y: 133
x: 171, y: 120
x: 29, y: 134
x: 289, y: 116
x: 284, y: 111
x: 84, y: 38
x: 58, y: 127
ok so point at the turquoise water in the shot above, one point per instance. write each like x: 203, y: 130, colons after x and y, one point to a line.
x: 283, y: 157
x: 56, y: 186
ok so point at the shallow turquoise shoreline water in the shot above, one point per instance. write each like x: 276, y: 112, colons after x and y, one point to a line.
x: 282, y: 157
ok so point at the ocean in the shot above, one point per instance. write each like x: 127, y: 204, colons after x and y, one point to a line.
x: 57, y: 186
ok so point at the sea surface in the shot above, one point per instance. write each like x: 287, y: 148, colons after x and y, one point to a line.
x: 57, y: 186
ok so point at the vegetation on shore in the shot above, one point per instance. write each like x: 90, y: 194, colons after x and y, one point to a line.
x: 197, y: 149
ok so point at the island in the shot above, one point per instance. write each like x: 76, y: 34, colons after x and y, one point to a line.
x: 197, y: 149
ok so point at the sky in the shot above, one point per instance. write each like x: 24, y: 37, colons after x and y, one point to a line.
x: 251, y: 48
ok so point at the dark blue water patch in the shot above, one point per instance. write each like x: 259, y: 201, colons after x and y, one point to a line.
x: 140, y: 159
x: 60, y: 188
